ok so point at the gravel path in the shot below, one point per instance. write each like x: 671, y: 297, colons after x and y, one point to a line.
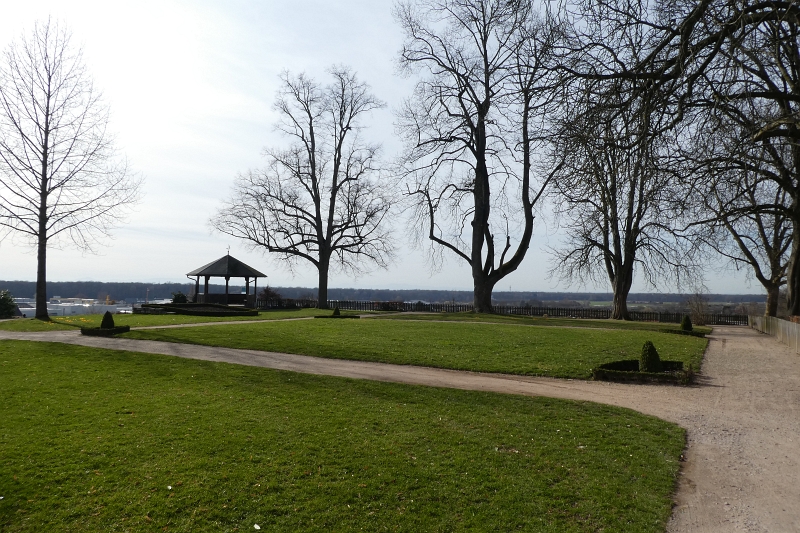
x: 742, y: 469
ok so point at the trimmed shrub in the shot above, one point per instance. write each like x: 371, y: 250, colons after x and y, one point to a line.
x: 108, y: 321
x: 336, y: 311
x: 179, y: 298
x: 7, y: 305
x: 649, y: 361
x: 686, y: 323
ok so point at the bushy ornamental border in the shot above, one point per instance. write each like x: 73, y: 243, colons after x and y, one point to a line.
x: 627, y: 371
x: 105, y: 332
x: 681, y: 332
x: 191, y: 309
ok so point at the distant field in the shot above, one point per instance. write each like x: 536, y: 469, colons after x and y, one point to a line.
x: 99, y: 440
x: 541, y: 351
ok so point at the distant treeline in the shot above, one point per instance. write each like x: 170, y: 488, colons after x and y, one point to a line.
x: 433, y: 296
x: 138, y: 291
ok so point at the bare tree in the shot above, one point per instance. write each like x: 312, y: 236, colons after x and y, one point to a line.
x: 735, y: 66
x: 616, y: 197
x: 741, y: 213
x: 471, y: 126
x: 740, y: 59
x: 59, y: 174
x: 322, y: 199
x: 747, y: 234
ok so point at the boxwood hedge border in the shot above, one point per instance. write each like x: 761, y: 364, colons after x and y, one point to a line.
x: 627, y: 371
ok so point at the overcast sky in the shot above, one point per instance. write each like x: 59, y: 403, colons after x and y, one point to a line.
x: 190, y: 86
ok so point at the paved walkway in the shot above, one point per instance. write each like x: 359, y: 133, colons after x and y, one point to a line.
x: 742, y: 470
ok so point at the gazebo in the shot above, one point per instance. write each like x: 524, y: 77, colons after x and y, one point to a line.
x: 226, y: 267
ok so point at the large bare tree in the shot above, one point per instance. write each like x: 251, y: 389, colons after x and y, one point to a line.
x: 616, y: 198
x: 323, y: 199
x: 750, y: 235
x: 741, y: 211
x: 737, y: 58
x: 471, y: 127
x: 60, y: 177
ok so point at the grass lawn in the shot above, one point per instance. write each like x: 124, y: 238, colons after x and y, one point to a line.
x: 101, y: 440
x: 539, y: 321
x: 69, y: 322
x: 541, y: 351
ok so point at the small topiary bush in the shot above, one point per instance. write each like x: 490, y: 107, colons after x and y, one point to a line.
x: 336, y: 311
x: 649, y: 361
x: 108, y: 321
x: 686, y: 323
x: 179, y: 298
x: 7, y: 305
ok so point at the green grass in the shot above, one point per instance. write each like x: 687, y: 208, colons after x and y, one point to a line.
x: 541, y: 351
x: 540, y: 321
x: 69, y: 322
x: 90, y: 441
x: 33, y: 325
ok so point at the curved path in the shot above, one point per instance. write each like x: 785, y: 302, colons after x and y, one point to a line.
x: 742, y: 470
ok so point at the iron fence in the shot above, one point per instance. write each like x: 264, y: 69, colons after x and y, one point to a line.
x: 556, y: 312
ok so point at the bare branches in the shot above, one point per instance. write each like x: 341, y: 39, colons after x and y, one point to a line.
x: 322, y: 197
x: 59, y: 174
x: 485, y: 85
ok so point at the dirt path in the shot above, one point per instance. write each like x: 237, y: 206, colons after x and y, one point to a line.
x: 742, y: 471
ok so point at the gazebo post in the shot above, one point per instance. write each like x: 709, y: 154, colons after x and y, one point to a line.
x: 196, y: 288
x: 227, y: 279
x: 206, y: 299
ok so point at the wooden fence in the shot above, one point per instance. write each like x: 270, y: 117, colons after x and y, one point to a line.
x: 560, y: 312
x: 783, y: 330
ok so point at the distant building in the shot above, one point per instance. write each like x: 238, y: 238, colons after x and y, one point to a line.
x: 58, y: 306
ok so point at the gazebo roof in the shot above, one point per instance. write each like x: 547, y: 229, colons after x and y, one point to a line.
x: 227, y: 267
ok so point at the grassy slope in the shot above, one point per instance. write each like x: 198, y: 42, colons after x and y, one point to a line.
x: 544, y: 351
x: 91, y: 439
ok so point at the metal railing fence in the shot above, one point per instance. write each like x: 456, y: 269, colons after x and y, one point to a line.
x: 783, y: 330
x: 554, y: 312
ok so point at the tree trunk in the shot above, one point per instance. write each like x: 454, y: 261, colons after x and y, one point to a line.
x: 41, y: 253
x: 793, y: 275
x: 482, y: 294
x: 773, y: 294
x: 41, y: 278
x: 619, y: 306
x: 322, y: 293
x: 622, y: 286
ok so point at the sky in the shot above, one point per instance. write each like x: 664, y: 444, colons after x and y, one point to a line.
x: 190, y: 86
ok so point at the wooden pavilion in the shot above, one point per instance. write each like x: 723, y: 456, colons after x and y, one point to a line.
x: 226, y: 267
